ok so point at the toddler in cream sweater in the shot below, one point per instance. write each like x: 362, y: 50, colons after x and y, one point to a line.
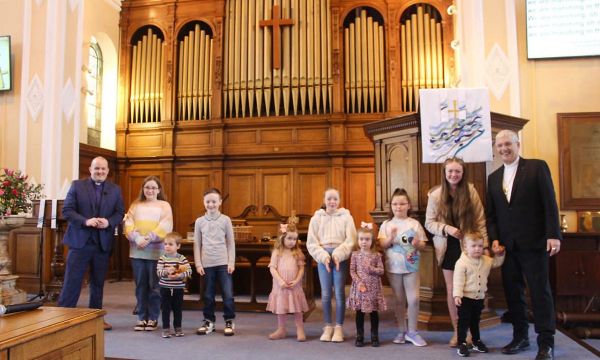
x: 470, y: 284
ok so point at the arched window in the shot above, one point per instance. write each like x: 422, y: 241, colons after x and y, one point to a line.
x: 94, y: 94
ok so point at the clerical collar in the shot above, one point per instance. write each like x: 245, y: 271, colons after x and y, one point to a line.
x: 512, y: 165
x: 97, y: 183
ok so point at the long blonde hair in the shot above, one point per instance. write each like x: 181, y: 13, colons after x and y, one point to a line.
x: 456, y: 208
x: 279, y: 245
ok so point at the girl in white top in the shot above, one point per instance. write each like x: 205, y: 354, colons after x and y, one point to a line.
x: 402, y: 237
x: 330, y: 241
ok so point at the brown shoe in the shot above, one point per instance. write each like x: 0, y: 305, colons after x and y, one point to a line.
x: 107, y: 326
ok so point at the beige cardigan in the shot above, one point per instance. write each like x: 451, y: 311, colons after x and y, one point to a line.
x: 471, y: 275
x: 331, y: 231
x: 435, y: 225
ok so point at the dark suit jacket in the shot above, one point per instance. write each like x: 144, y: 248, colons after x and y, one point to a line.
x: 531, y: 217
x: 80, y: 205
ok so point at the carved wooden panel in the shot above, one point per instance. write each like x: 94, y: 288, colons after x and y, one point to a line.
x: 276, y: 190
x: 360, y: 182
x: 24, y: 248
x: 311, y: 185
x: 188, y: 200
x: 240, y: 186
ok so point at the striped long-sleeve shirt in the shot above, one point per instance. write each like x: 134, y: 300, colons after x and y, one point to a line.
x: 182, y: 269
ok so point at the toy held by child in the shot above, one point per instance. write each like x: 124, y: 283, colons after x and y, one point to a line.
x: 287, y: 268
x: 172, y: 269
x: 366, y: 294
x: 470, y: 284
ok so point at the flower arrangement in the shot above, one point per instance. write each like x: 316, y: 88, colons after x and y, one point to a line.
x: 16, y: 194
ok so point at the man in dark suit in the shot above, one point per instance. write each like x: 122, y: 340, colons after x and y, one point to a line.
x: 93, y: 208
x: 522, y: 216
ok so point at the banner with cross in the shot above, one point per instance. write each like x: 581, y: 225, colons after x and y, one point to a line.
x: 455, y: 122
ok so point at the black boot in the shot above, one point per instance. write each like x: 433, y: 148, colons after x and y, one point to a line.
x: 360, y: 329
x: 375, y: 329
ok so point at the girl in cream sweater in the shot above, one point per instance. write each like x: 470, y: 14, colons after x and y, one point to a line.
x: 330, y: 241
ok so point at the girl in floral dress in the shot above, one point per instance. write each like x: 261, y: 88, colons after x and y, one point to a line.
x: 366, y: 296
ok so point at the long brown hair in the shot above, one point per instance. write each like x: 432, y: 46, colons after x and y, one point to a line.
x: 161, y: 194
x: 456, y: 208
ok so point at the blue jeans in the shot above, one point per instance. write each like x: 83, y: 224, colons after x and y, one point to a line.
x: 214, y: 274
x: 337, y: 280
x: 146, y: 288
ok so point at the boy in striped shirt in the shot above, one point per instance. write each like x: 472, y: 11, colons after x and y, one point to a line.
x: 172, y: 269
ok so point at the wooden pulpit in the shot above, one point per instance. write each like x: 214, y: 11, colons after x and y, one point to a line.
x: 398, y: 153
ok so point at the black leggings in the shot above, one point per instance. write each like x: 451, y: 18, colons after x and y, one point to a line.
x: 171, y: 299
x: 360, y: 322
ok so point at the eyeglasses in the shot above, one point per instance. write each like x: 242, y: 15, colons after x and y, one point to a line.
x: 150, y: 188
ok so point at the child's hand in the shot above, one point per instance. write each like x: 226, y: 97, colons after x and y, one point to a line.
x: 362, y: 288
x: 391, y: 231
x: 230, y: 269
x: 200, y: 270
x: 458, y: 300
x: 418, y: 244
x: 336, y: 261
x: 326, y: 263
x: 174, y: 276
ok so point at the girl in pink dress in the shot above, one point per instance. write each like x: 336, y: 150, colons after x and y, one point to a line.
x: 287, y: 269
x: 366, y: 294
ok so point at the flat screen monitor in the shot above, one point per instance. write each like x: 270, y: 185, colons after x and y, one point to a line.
x: 5, y: 69
x: 563, y: 28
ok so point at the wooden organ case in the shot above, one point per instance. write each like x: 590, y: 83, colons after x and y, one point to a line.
x: 267, y: 99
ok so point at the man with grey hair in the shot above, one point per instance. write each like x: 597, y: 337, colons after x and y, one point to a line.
x: 522, y: 216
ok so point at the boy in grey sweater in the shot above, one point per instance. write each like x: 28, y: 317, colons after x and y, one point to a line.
x: 214, y: 257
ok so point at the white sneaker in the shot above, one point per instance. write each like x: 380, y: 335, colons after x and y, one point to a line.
x: 206, y: 328
x: 229, y: 328
x: 399, y: 339
x: 415, y: 338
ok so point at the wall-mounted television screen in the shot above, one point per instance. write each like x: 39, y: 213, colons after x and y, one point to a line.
x: 5, y: 70
x: 566, y: 28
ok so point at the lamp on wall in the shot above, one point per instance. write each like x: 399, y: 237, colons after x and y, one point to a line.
x: 455, y: 44
x: 452, y: 9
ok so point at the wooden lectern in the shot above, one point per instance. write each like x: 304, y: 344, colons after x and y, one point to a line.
x: 397, y: 143
x: 53, y: 227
